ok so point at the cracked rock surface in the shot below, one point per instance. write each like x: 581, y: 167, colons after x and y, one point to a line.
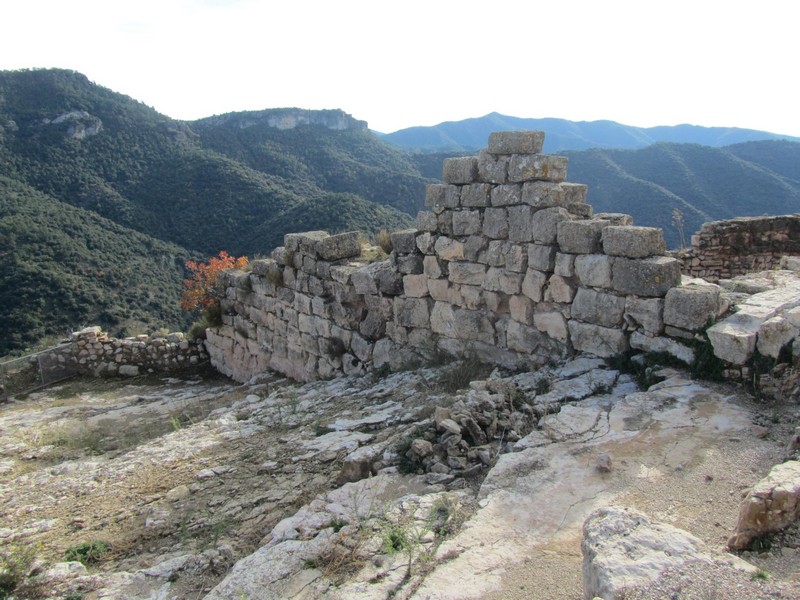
x: 370, y: 487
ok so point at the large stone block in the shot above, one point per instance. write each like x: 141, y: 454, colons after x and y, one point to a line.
x: 533, y: 284
x: 520, y: 223
x: 546, y: 222
x: 597, y: 340
x: 734, y: 339
x: 647, y: 313
x: 559, y: 289
x: 473, y: 246
x: 443, y: 319
x: 645, y: 277
x: 542, y: 257
x: 551, y: 322
x: 598, y: 307
x: 546, y: 194
x: 466, y: 222
x: 523, y: 338
x: 633, y: 242
x: 449, y: 249
x: 476, y: 195
x: 460, y: 170
x: 533, y: 167
x: 408, y: 264
x: 467, y: 273
x: 473, y: 325
x: 442, y: 195
x: 434, y: 267
x: 415, y: 286
x: 404, y: 241
x: 516, y: 258
x: 411, y: 312
x: 774, y: 334
x: 516, y: 142
x: 506, y: 195
x: 495, y: 223
x: 492, y: 168
x: 427, y: 221
x: 692, y: 306
x: 339, y: 246
x: 581, y: 236
x: 593, y: 270
x: 502, y: 280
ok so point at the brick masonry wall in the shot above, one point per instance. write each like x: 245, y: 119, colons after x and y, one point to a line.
x: 509, y: 264
x: 725, y: 249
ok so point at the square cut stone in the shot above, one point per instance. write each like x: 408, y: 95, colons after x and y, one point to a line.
x: 495, y: 223
x: 545, y: 224
x: 516, y: 142
x: 460, y: 170
x: 466, y: 222
x: 633, y: 242
x: 545, y: 194
x: 506, y: 195
x: 404, y: 241
x: 537, y: 167
x: 476, y: 195
x: 492, y: 168
x: 652, y: 277
x: 443, y: 195
x: 582, y: 236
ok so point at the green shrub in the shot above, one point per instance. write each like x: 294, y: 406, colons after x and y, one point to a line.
x: 16, y: 562
x: 87, y: 553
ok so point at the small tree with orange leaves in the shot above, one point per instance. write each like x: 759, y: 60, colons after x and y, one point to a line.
x: 202, y: 290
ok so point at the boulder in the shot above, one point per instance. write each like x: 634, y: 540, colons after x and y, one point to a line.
x: 772, y: 504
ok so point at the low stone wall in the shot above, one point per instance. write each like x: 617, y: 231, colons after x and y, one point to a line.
x: 509, y: 264
x: 93, y: 352
x: 725, y: 249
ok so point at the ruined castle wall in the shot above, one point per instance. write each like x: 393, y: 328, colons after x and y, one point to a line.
x: 508, y: 264
x: 725, y: 249
x: 92, y: 352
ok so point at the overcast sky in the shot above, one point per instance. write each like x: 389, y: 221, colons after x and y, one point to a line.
x: 399, y: 64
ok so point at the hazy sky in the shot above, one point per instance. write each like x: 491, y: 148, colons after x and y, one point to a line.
x: 398, y: 64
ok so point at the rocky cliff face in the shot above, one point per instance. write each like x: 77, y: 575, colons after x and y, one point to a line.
x: 289, y: 118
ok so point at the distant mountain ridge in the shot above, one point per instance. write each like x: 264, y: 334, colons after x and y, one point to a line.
x: 561, y: 135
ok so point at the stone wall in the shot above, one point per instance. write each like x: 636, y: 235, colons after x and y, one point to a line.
x: 725, y: 249
x: 92, y: 352
x: 508, y: 264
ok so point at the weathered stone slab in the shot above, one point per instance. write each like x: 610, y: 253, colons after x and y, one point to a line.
x: 633, y: 242
x: 581, y: 236
x: 552, y: 323
x: 516, y: 142
x: 597, y: 340
x: 660, y: 344
x: 473, y: 325
x: 546, y: 194
x: 593, y: 270
x: 559, y: 289
x: 415, y: 286
x: 533, y: 167
x: 443, y: 319
x: 734, y: 339
x: 427, y: 221
x: 523, y: 338
x: 521, y: 308
x: 598, y: 308
x: 692, y: 306
x: 645, y: 277
x: 339, y: 246
x: 460, y: 170
x: 623, y: 549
